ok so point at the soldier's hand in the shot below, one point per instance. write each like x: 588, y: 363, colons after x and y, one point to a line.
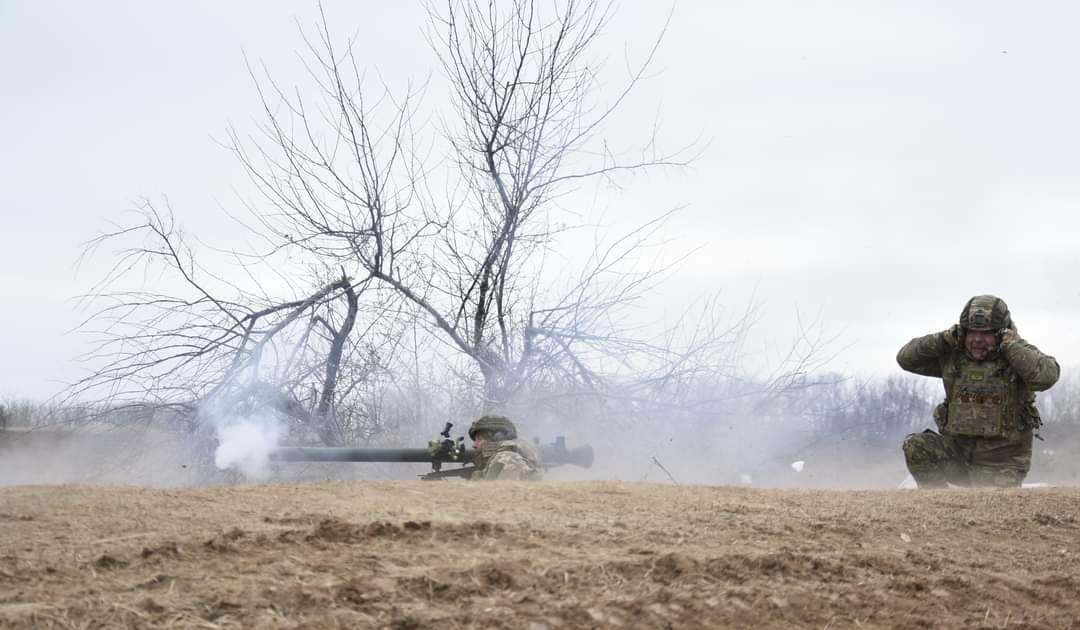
x: 1007, y: 336
x: 953, y: 336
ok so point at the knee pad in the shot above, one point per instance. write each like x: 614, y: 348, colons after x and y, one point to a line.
x: 920, y: 450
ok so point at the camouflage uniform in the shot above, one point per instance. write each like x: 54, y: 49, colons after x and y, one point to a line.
x: 515, y: 460
x: 505, y: 458
x: 988, y: 417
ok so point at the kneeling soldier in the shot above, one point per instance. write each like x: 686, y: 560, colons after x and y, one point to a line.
x: 988, y: 417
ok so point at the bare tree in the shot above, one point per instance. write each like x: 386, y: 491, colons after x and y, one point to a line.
x: 525, y: 130
x: 347, y: 185
x: 179, y: 347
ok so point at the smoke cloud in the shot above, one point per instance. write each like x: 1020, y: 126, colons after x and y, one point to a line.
x: 246, y: 443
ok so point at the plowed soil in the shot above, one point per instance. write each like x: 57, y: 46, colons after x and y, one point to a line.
x: 358, y: 554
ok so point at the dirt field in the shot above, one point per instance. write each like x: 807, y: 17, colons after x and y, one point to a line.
x: 551, y: 555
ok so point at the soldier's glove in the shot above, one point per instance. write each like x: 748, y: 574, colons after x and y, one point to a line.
x: 953, y: 336
x: 1007, y: 336
x: 484, y: 452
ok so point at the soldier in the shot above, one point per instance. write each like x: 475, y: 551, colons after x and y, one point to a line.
x: 988, y: 417
x: 500, y: 454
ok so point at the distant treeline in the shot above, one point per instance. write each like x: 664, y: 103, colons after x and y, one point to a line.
x: 873, y: 410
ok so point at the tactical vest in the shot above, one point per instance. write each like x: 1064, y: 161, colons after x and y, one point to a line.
x: 983, y: 399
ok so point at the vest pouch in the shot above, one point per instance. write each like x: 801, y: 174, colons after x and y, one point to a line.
x: 941, y: 415
x: 1030, y: 419
x: 979, y: 407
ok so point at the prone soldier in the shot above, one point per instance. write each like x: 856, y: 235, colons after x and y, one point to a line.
x: 500, y: 454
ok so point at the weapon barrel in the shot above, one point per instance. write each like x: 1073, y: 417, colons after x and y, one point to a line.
x: 329, y: 454
x: 555, y: 454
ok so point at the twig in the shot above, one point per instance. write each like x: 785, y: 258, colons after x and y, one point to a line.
x: 666, y: 472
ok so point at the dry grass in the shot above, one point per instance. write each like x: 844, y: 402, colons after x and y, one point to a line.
x: 552, y: 555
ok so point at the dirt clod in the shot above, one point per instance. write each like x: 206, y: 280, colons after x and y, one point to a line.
x: 106, y: 562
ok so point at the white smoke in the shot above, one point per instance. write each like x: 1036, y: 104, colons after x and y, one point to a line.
x: 245, y: 444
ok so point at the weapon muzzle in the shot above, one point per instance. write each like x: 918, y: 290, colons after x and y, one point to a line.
x: 556, y: 454
x: 580, y: 456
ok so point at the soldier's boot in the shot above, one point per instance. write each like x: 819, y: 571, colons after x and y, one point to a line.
x: 997, y: 477
x: 926, y: 459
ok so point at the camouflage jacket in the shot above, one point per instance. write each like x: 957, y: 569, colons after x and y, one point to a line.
x: 1026, y: 368
x: 508, y: 460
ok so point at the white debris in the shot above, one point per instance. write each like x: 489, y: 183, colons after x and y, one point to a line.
x: 905, y: 538
x: 746, y: 479
x: 1036, y: 484
x: 798, y: 466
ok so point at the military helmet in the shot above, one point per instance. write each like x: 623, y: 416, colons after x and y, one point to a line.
x: 985, y: 312
x: 495, y: 424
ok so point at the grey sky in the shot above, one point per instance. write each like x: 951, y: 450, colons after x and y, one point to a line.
x: 870, y: 163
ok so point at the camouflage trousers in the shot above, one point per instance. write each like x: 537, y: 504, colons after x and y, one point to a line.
x: 936, y: 460
x: 507, y: 465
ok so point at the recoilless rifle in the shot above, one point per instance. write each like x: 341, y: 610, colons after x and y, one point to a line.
x: 444, y: 450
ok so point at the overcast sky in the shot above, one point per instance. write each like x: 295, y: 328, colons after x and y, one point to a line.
x: 870, y: 164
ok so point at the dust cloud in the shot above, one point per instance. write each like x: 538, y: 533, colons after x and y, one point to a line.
x: 752, y: 450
